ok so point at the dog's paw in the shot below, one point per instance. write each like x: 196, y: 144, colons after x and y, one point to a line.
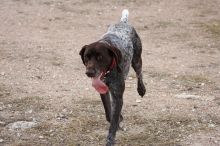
x: 141, y: 89
x: 109, y: 144
x: 110, y: 141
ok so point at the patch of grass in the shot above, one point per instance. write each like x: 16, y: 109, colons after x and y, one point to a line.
x: 163, y: 130
x: 164, y: 24
x: 42, y: 126
x: 3, y: 91
x: 92, y: 130
x: 196, y: 45
x: 207, y: 12
x: 212, y: 27
x: 56, y: 61
x: 91, y: 107
x: 158, y: 75
x: 84, y: 124
x: 83, y: 129
x: 33, y: 102
x: 181, y: 36
x: 193, y: 79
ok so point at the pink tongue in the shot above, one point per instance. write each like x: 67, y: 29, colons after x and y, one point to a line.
x: 99, y: 85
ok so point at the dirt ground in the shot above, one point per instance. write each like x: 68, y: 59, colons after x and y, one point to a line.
x: 43, y: 84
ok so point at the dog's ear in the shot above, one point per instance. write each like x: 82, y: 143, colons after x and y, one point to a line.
x: 116, y: 54
x: 81, y: 53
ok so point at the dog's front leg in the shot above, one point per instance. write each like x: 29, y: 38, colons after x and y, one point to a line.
x: 117, y: 91
x: 107, y: 105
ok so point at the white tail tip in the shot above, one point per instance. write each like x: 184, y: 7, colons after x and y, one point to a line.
x: 124, y: 17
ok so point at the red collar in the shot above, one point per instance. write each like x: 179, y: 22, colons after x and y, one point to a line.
x: 113, y: 64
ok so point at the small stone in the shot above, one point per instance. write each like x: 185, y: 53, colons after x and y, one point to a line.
x: 146, y: 27
x: 202, y: 84
x: 138, y: 100
x: 51, y: 130
x: 164, y: 109
x: 1, y: 140
x: 19, y: 134
x: 60, y: 116
x: 64, y: 110
x: 21, y: 125
x: 51, y: 134
x: 39, y: 77
x: 124, y: 129
x: 41, y: 137
x: 2, y: 73
x: 211, y: 125
x: 178, y: 122
x: 187, y: 96
x: 189, y: 89
x: 9, y: 105
x: 2, y: 123
x: 29, y: 111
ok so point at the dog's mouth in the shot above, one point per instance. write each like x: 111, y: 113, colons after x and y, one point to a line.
x: 98, y: 84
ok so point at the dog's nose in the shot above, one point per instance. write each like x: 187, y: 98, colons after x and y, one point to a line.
x: 90, y: 72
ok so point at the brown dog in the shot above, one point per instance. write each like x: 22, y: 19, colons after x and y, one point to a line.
x: 107, y: 62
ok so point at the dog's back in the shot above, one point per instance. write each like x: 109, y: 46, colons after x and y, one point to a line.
x: 121, y: 36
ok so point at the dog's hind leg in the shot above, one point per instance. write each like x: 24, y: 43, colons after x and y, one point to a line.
x: 137, y: 63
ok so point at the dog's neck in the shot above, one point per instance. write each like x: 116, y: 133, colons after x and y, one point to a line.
x: 113, y: 64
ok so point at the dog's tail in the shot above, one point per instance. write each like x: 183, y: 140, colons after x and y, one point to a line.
x: 124, y: 17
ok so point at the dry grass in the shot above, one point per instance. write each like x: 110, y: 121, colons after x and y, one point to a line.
x: 212, y: 27
x: 181, y: 36
x: 165, y: 130
x: 164, y: 24
x: 56, y: 61
x: 162, y: 130
x: 193, y: 81
x: 30, y: 102
x: 89, y: 127
x: 3, y: 91
x: 158, y: 75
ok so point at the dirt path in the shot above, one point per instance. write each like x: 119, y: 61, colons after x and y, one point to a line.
x: 42, y: 80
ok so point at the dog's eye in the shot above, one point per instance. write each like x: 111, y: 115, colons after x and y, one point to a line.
x: 99, y: 58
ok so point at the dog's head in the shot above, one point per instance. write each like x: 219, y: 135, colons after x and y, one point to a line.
x: 98, y: 57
